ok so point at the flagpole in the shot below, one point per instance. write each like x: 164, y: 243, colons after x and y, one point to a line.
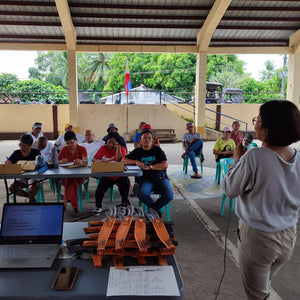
x: 127, y: 116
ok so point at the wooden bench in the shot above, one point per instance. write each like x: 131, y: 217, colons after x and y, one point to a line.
x: 164, y: 135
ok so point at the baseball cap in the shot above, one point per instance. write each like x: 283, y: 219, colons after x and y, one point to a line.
x: 227, y: 129
x: 147, y: 126
x: 68, y: 125
x: 37, y: 125
x: 112, y: 125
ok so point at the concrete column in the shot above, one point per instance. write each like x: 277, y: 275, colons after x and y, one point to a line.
x: 293, y: 83
x: 73, y: 90
x: 200, y: 93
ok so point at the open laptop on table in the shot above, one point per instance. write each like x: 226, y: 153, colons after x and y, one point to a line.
x: 31, y: 234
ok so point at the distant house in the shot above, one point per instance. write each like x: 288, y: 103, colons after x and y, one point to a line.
x: 141, y: 95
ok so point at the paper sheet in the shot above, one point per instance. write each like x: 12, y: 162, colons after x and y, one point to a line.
x: 132, y: 168
x: 140, y: 282
x: 67, y: 164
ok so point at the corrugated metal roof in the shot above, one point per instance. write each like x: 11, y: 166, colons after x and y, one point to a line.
x: 149, y: 22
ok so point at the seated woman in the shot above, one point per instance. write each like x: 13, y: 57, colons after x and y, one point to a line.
x: 153, y: 161
x: 72, y: 152
x: 111, y: 151
x: 25, y: 153
x: 155, y: 140
x: 224, y: 146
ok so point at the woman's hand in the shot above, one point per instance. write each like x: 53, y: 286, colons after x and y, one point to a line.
x: 78, y: 161
x: 239, y: 151
x: 63, y: 161
x: 141, y: 165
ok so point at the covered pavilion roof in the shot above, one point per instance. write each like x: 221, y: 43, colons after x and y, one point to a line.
x: 220, y: 26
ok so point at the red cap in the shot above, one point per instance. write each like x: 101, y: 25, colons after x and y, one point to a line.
x: 146, y: 126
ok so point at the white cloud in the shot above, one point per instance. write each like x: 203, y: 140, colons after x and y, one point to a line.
x: 254, y: 63
x: 17, y: 62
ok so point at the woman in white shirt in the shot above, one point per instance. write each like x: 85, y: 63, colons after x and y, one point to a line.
x: 265, y: 181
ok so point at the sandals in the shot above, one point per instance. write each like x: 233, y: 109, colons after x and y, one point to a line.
x: 196, y: 175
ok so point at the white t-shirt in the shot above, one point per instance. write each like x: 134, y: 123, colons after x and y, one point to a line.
x: 34, y: 144
x: 92, y: 148
x: 47, y: 152
x: 61, y: 142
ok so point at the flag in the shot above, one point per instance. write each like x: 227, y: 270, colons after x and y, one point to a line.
x: 128, y: 86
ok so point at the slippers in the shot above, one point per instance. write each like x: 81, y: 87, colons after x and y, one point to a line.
x: 196, y: 175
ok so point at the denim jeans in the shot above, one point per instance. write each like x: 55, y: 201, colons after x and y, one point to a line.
x: 163, y: 187
x: 194, y: 150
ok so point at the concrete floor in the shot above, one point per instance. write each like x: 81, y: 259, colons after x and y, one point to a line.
x: 199, y: 229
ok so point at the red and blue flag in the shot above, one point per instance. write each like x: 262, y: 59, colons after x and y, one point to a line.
x: 128, y: 86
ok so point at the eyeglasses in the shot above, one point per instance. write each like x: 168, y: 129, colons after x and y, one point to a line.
x: 255, y: 120
x: 190, y: 127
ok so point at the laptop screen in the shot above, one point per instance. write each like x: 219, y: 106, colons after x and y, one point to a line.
x: 32, y: 223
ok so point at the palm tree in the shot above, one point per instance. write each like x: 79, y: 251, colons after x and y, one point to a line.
x: 268, y: 72
x: 96, y: 67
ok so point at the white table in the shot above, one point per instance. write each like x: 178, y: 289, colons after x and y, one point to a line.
x: 64, y: 172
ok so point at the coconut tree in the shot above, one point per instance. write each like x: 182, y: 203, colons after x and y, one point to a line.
x: 266, y: 75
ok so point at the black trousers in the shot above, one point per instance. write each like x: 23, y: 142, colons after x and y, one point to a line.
x: 105, y: 183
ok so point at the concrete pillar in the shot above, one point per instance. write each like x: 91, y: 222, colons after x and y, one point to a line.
x: 200, y: 93
x: 293, y: 83
x: 73, y: 90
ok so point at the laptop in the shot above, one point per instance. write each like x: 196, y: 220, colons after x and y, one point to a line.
x: 31, y: 234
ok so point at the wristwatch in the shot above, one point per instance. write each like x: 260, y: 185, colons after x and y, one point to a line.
x: 150, y: 167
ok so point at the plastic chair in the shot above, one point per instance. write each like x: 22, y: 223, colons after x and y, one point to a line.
x: 186, y: 163
x: 39, y: 195
x: 218, y: 172
x: 79, y: 192
x: 252, y: 145
x: 224, y: 166
x: 111, y: 191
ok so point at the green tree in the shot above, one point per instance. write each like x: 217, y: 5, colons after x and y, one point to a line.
x: 267, y: 74
x: 8, y: 87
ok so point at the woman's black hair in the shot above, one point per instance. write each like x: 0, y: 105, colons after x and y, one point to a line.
x: 26, y: 139
x: 114, y: 135
x: 145, y: 131
x: 281, y: 119
x: 70, y: 135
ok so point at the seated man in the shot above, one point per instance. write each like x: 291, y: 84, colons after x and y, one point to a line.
x: 112, y: 128
x: 90, y: 144
x: 112, y: 151
x: 45, y: 148
x: 36, y: 133
x: 192, y: 145
x: 72, y: 152
x: 26, y: 152
x: 224, y: 146
x: 137, y: 136
x: 60, y: 142
x: 236, y: 134
x: 153, y: 161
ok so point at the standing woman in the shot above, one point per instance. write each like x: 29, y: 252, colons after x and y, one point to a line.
x: 72, y: 152
x: 265, y: 181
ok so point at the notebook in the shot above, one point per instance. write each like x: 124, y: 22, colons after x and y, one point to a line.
x: 31, y: 234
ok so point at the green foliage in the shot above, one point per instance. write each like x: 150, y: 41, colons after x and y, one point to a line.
x: 8, y: 84
x: 36, y: 90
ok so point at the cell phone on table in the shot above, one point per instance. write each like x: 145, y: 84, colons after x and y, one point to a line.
x: 65, y: 278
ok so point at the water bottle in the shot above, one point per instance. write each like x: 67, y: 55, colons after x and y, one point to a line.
x: 54, y: 158
x: 39, y: 161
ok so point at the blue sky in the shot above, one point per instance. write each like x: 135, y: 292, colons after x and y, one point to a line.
x: 18, y: 62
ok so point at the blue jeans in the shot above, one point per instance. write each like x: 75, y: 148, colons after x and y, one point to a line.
x: 163, y: 187
x: 194, y: 150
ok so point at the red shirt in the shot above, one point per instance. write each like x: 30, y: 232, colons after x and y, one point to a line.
x: 66, y: 153
x: 237, y: 138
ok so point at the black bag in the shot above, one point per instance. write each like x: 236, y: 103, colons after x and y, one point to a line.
x: 220, y: 156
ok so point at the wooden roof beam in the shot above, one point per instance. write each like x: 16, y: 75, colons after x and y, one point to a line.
x: 295, y: 41
x: 67, y: 24
x: 212, y: 21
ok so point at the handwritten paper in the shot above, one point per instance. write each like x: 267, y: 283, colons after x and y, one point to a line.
x: 160, y: 281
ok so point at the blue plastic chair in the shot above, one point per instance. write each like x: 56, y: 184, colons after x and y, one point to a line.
x: 186, y: 163
x: 79, y: 191
x: 224, y: 166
